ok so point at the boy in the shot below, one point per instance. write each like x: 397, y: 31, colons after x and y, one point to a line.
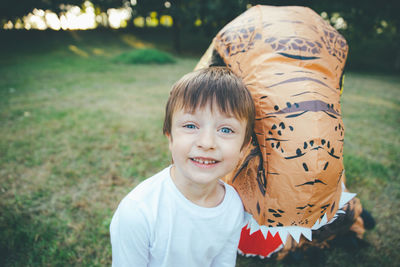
x: 185, y: 215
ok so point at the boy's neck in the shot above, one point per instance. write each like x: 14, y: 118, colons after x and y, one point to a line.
x: 204, y: 195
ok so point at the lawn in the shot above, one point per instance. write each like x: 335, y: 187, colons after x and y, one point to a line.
x: 79, y: 130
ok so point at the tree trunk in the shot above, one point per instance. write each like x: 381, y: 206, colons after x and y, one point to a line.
x: 397, y: 42
x: 176, y: 34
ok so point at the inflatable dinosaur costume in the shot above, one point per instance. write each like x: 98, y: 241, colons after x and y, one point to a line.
x: 292, y: 180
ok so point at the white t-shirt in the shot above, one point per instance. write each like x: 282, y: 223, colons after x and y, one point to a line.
x: 155, y: 225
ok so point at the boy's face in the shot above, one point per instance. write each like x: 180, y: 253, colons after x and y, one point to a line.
x: 205, y: 145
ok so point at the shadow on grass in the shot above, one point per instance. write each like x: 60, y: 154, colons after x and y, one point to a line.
x: 26, y: 241
x: 83, y: 42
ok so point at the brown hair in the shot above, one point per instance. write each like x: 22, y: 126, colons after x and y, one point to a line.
x: 211, y: 85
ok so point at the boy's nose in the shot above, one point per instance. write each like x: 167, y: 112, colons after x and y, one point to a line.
x: 206, y: 139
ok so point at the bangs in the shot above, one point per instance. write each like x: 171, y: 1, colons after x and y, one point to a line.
x: 224, y: 90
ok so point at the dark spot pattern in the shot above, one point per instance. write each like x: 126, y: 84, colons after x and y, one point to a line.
x: 333, y: 206
x: 316, y: 181
x: 305, y: 167
x: 326, y: 165
x: 298, y: 109
x: 295, y: 45
x: 279, y: 134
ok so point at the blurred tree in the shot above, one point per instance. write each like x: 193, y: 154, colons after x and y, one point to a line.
x: 372, y: 31
x: 207, y: 15
x: 371, y: 24
x: 11, y: 10
x: 106, y: 4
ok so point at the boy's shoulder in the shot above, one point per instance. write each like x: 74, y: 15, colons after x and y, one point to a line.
x: 143, y: 199
x: 148, y: 188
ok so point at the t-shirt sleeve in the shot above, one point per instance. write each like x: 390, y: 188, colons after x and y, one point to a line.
x: 130, y: 236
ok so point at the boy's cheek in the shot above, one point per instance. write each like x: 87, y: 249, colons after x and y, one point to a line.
x: 169, y: 136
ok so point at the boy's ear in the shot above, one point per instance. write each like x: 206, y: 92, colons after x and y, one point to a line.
x: 169, y: 136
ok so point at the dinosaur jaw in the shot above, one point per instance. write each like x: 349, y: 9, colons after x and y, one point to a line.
x: 296, y: 231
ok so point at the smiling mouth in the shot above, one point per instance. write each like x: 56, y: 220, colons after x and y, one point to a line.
x: 204, y: 161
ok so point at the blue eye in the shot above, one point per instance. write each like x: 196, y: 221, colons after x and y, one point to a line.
x: 190, y: 126
x: 226, y: 130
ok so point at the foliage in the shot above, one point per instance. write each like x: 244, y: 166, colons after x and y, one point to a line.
x: 11, y: 10
x: 145, y: 56
x: 373, y: 32
x: 371, y: 23
x: 79, y: 132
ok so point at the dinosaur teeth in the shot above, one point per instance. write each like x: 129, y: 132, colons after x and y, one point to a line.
x: 284, y: 231
x: 296, y: 231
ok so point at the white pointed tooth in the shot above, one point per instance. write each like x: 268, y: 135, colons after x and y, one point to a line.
x: 264, y: 231
x: 316, y: 225
x: 340, y: 212
x: 343, y: 187
x: 252, y: 230
x: 324, y: 219
x: 307, y: 233
x: 295, y: 233
x: 344, y: 198
x: 283, y: 234
x: 319, y: 223
x: 254, y: 226
x: 273, y: 230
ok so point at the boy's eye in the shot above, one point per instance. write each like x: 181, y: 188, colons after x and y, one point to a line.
x: 226, y: 130
x: 189, y: 126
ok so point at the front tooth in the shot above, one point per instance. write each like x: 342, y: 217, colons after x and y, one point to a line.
x: 204, y: 161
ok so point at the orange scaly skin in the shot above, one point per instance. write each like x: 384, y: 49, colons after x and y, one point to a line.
x: 292, y: 62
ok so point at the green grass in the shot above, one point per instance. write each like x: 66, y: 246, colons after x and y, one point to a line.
x: 79, y: 131
x: 145, y: 56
